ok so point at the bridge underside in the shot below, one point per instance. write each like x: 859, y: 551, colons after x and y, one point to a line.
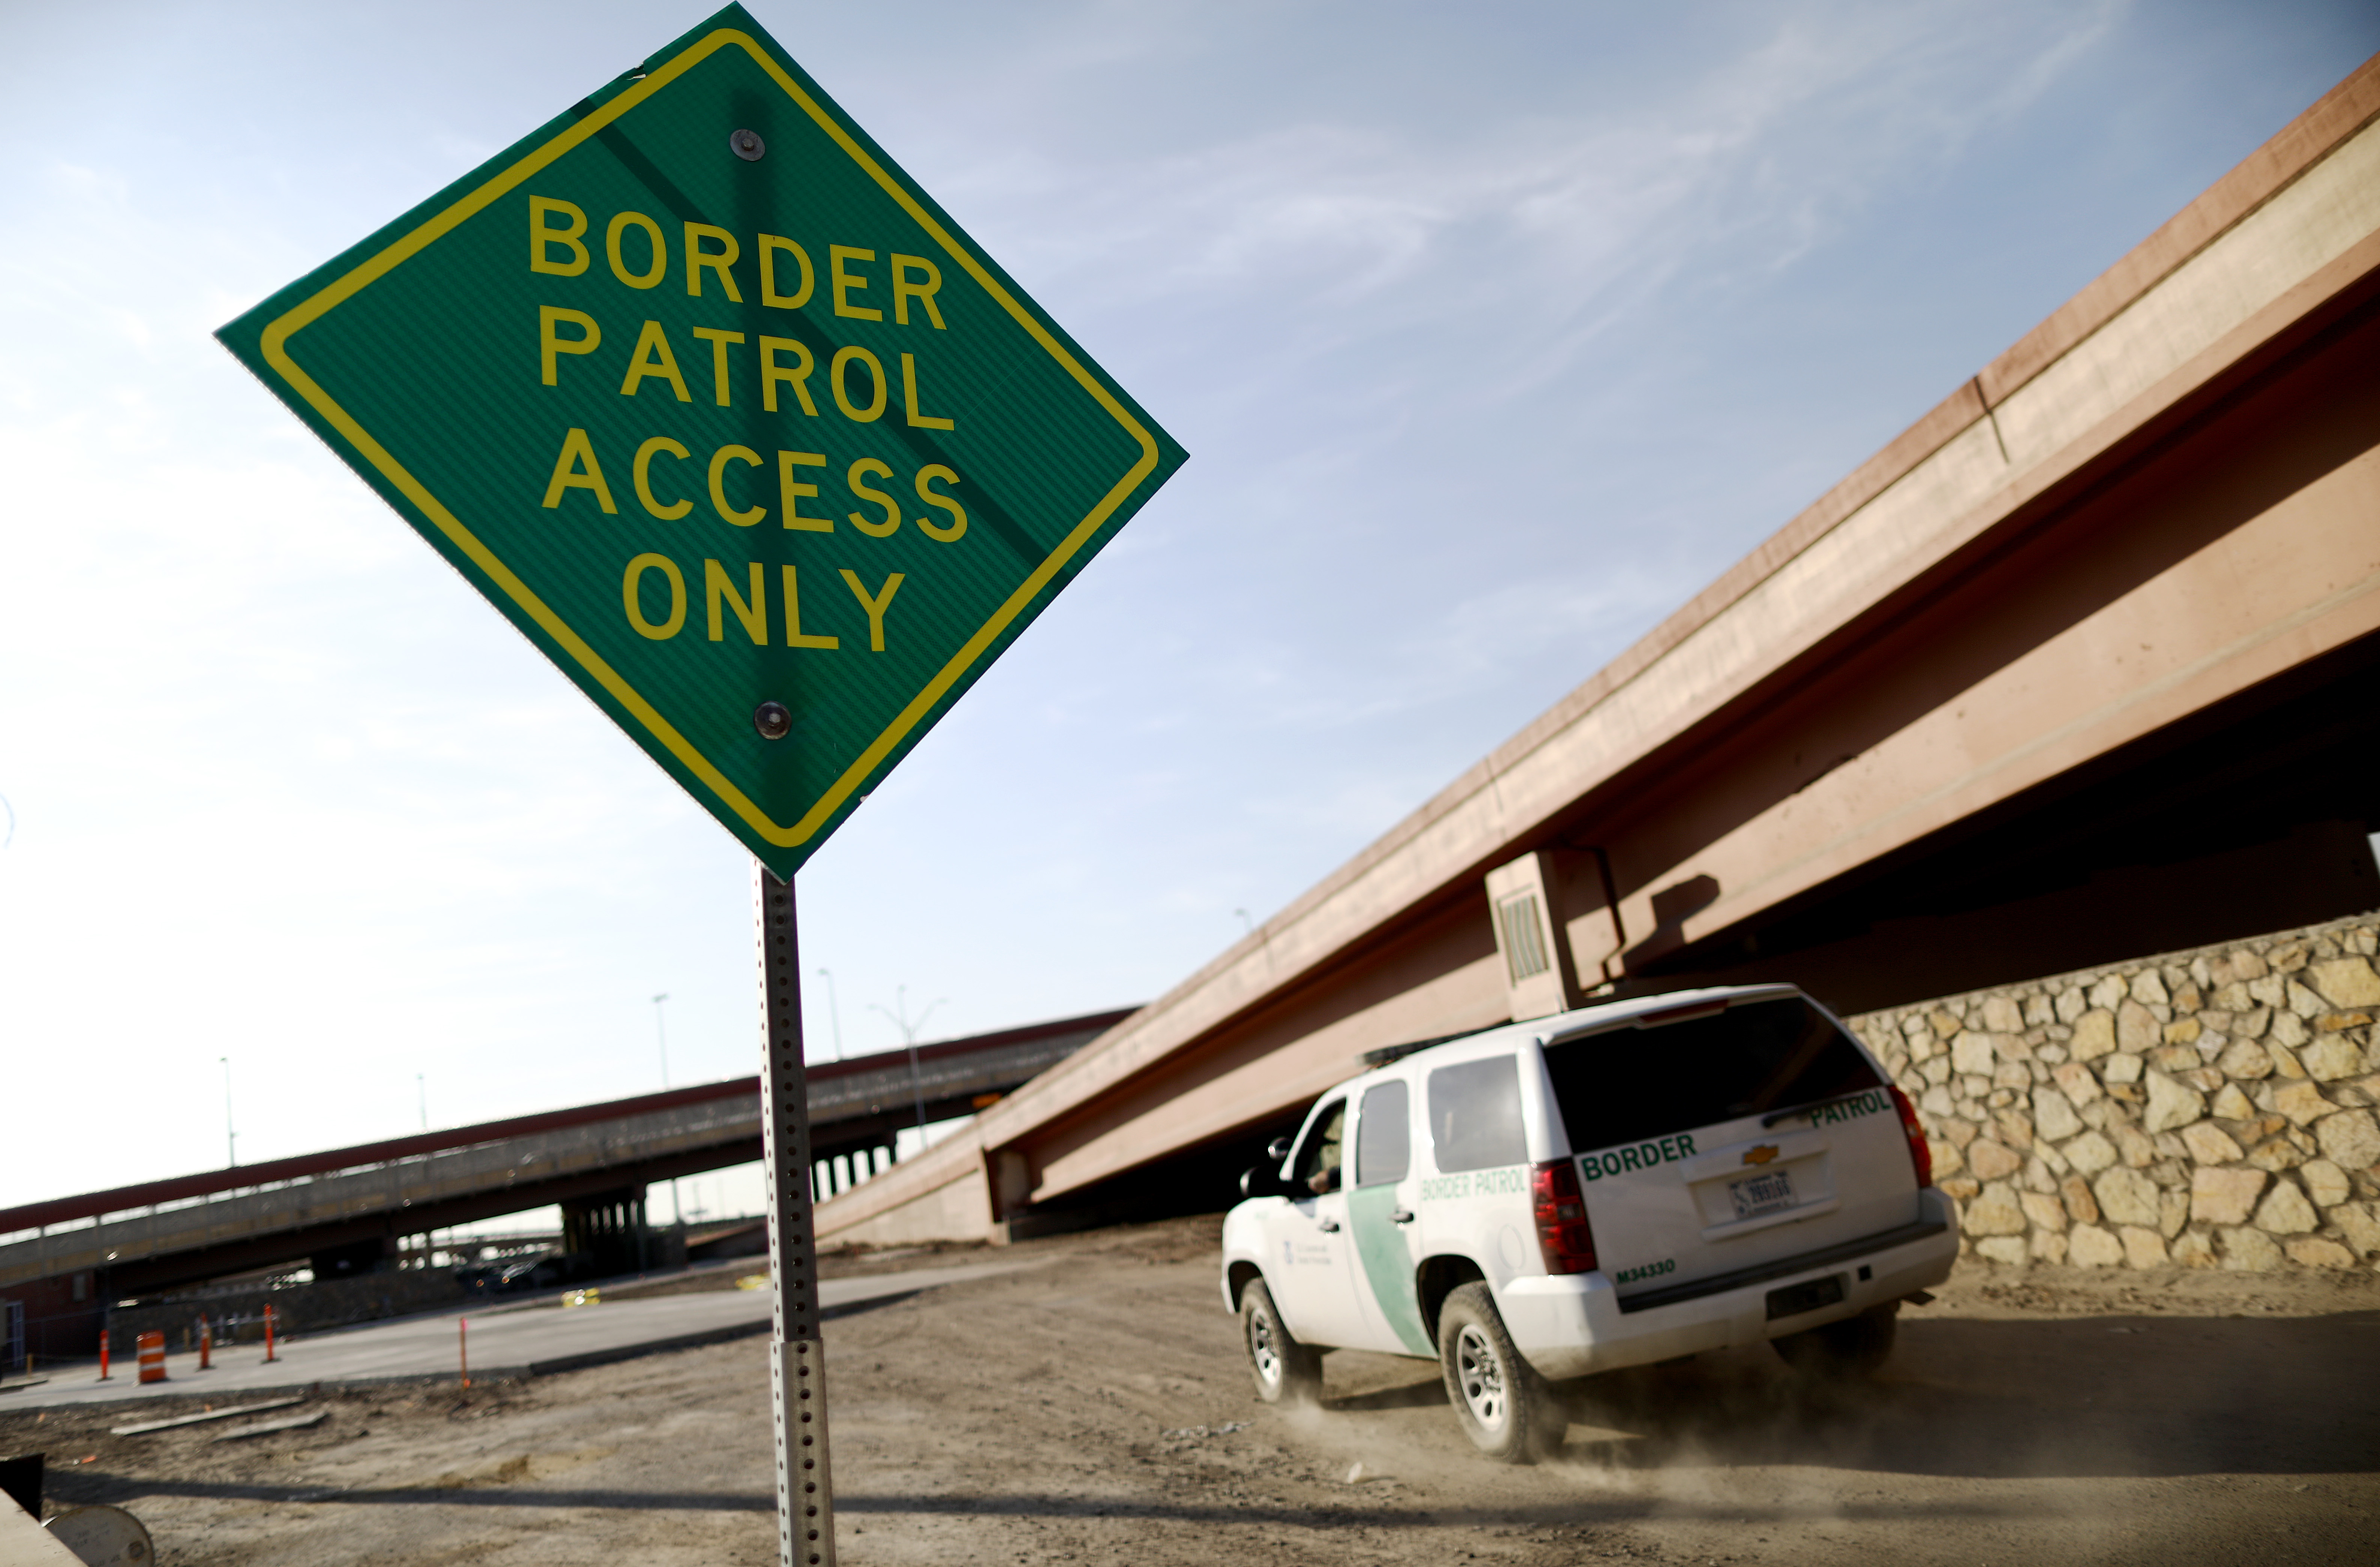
x: 2253, y: 816
x: 853, y: 1134
x: 345, y: 1211
x: 2209, y: 564
x: 150, y: 1275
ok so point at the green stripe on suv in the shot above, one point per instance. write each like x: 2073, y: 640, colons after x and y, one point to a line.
x: 1387, y: 1263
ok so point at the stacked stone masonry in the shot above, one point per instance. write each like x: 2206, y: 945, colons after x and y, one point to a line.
x: 2212, y: 1109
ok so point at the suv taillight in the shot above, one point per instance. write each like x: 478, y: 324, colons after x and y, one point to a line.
x: 1562, y: 1234
x: 1921, y: 1153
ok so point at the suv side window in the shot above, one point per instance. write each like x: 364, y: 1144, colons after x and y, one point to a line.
x: 1475, y: 1114
x: 1322, y: 1153
x: 1384, y: 1136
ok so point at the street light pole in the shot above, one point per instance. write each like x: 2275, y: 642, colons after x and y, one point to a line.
x: 422, y: 1088
x: 909, y: 1034
x: 231, y: 1138
x: 833, y: 1011
x: 660, y: 1033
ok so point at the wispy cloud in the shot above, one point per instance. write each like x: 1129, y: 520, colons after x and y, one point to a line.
x: 1334, y: 230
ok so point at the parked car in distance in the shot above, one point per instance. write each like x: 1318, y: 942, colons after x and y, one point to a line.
x: 1626, y: 1184
x: 520, y: 1276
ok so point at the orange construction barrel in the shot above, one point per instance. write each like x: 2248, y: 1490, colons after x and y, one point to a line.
x: 153, y: 1358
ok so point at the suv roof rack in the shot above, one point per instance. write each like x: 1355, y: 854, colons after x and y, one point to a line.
x: 1388, y: 1053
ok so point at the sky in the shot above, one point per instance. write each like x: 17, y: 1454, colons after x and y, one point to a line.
x: 1494, y: 331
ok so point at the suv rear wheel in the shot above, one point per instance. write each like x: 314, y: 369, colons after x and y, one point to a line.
x: 1505, y: 1407
x: 1857, y: 1346
x: 1285, y: 1370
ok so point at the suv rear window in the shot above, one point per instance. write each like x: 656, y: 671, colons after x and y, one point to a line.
x: 1630, y: 1083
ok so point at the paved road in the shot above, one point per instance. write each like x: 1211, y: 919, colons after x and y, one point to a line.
x: 514, y: 1341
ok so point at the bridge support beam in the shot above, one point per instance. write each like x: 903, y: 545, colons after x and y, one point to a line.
x: 607, y: 1229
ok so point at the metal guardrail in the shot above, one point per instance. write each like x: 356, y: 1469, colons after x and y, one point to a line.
x: 249, y: 1213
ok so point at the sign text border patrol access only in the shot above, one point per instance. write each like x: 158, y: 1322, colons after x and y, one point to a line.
x: 274, y: 344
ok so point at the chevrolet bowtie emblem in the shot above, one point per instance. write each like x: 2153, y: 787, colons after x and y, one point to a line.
x: 1760, y: 1155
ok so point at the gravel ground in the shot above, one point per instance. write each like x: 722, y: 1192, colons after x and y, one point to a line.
x: 1098, y: 1410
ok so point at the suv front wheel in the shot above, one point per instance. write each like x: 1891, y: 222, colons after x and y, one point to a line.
x: 1505, y: 1407
x: 1286, y: 1371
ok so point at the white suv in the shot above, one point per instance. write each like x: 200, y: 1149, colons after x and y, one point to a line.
x: 1626, y: 1183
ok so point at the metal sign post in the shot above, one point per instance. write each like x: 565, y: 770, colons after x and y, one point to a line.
x: 796, y: 1353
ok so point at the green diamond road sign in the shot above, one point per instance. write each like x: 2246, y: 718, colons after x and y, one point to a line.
x: 702, y: 392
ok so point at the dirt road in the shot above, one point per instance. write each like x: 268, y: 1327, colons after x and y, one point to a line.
x: 1097, y: 1409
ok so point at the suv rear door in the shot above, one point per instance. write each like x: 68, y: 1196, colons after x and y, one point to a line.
x: 1381, y: 1214
x: 1726, y: 1132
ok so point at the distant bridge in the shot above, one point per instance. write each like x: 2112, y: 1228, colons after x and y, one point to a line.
x: 346, y: 1208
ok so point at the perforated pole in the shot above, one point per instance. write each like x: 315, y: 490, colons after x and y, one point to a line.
x: 797, y: 1356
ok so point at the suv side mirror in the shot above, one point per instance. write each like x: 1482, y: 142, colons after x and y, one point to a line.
x: 1278, y: 1149
x: 1264, y: 1181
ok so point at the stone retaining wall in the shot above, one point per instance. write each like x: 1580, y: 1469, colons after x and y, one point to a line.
x: 2211, y: 1108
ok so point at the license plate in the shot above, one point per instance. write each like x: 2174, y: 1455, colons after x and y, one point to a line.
x: 1765, y: 1193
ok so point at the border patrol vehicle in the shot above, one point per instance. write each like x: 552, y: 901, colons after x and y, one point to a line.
x: 1614, y: 1187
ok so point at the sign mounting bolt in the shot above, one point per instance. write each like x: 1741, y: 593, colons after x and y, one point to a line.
x: 747, y: 145
x: 774, y: 720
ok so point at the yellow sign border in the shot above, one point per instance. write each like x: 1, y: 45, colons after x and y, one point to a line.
x: 276, y: 348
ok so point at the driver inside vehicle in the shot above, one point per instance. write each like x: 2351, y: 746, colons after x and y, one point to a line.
x: 1318, y: 1164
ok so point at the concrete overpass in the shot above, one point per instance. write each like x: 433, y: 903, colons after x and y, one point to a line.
x: 2078, y: 667
x: 346, y: 1208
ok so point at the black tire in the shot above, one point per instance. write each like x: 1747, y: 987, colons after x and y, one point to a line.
x: 1856, y: 1346
x: 1286, y: 1372
x: 1504, y: 1406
